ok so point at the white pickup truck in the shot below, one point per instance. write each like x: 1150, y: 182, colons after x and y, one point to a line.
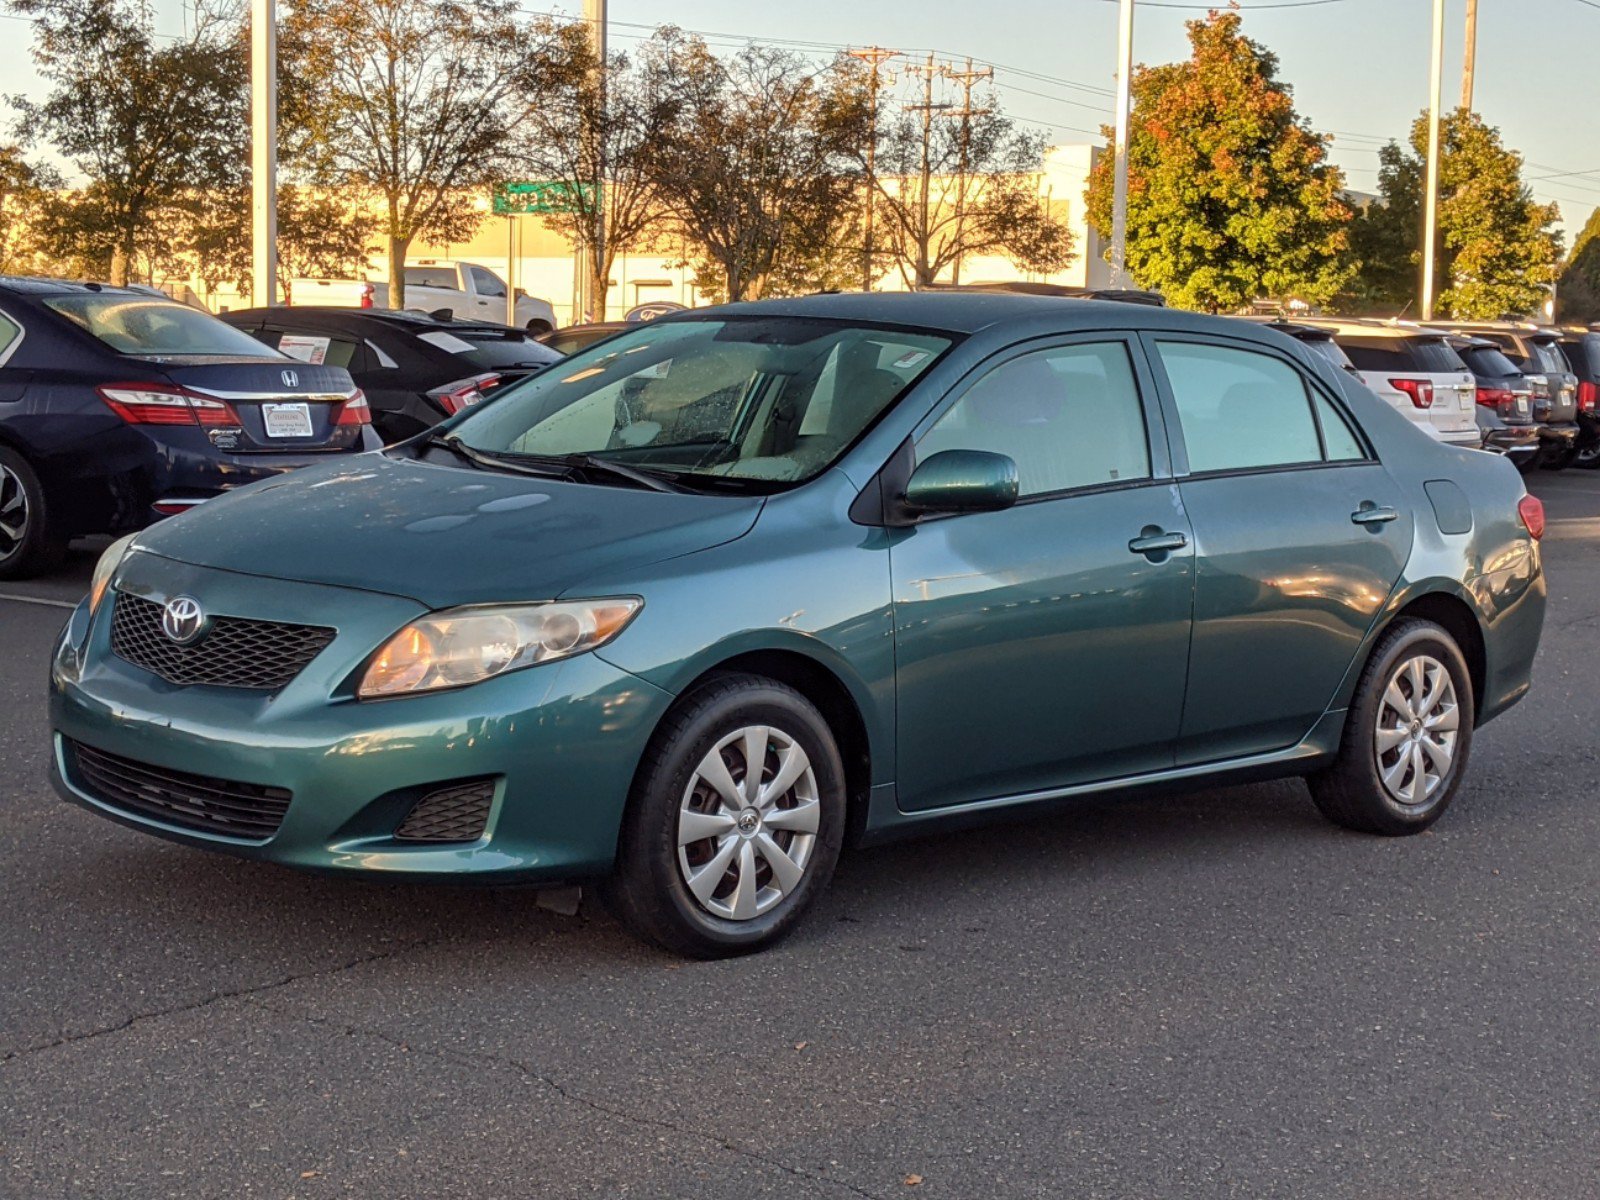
x: 470, y: 291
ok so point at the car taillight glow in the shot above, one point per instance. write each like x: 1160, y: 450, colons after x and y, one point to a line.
x: 1531, y: 510
x: 464, y: 393
x: 1588, y: 396
x: 1494, y: 397
x: 355, y: 410
x: 155, y: 404
x: 1420, y: 390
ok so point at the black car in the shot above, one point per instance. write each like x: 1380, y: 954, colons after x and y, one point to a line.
x: 416, y: 369
x: 1582, y: 348
x: 118, y: 408
x: 580, y: 337
x: 1505, y: 401
x: 1536, y: 352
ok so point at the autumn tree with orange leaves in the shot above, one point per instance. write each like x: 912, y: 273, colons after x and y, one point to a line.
x: 1230, y: 194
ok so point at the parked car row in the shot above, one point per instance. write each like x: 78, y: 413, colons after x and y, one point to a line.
x: 457, y: 290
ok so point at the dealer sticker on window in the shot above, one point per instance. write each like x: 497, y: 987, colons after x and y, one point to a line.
x: 287, y: 420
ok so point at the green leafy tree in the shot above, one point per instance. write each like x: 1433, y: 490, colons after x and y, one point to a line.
x: 25, y: 190
x: 1499, y: 251
x: 412, y: 101
x: 147, y: 124
x: 758, y: 162
x: 1230, y: 194
x: 1578, y: 291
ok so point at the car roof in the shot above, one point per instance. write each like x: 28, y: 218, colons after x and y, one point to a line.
x: 30, y: 285
x: 1371, y: 327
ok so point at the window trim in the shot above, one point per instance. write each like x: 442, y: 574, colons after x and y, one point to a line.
x: 1169, y: 403
x: 1157, y: 446
x: 10, y: 348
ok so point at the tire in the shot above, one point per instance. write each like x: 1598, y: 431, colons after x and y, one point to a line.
x: 1529, y: 463
x: 28, y: 545
x: 1353, y: 792
x: 744, y: 904
x: 1561, y: 460
x: 1588, y: 457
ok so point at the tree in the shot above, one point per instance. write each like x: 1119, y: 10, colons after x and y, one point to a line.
x: 1578, y: 291
x: 415, y: 101
x: 950, y: 187
x: 758, y: 161
x: 147, y: 124
x: 25, y: 190
x: 1498, y: 250
x: 1230, y: 194
x: 599, y: 125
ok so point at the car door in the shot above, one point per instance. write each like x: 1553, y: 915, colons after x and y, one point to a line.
x: 488, y: 294
x: 1045, y: 645
x: 1300, y: 535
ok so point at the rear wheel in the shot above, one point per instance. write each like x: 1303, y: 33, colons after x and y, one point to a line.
x: 28, y: 546
x: 1588, y: 457
x: 735, y: 822
x: 1407, y: 736
x: 1561, y: 460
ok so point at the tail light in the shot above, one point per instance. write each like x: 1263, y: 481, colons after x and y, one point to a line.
x: 158, y: 404
x: 367, y: 292
x: 464, y: 393
x: 1494, y: 397
x: 1531, y: 510
x: 1420, y: 390
x: 355, y: 410
x: 1588, y: 396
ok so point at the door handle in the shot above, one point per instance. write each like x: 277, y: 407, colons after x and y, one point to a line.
x: 1370, y: 514
x: 1154, y: 541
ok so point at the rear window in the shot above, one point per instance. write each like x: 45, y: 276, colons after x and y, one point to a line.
x: 1330, y: 350
x: 1429, y: 355
x: 1584, y: 354
x: 10, y: 335
x: 1486, y: 360
x: 1549, y: 357
x: 152, y: 328
x: 431, y: 277
x: 489, y: 349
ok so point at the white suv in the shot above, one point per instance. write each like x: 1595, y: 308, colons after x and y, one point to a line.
x: 1417, y: 371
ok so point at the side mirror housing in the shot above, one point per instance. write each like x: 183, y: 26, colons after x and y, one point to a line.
x: 962, y: 481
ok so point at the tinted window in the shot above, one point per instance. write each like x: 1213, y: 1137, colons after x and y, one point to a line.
x: 1430, y: 355
x: 153, y: 328
x: 775, y: 399
x: 1239, y: 409
x: 1549, y: 357
x: 485, y: 283
x: 10, y: 334
x: 1486, y: 360
x: 497, y: 350
x: 312, y: 347
x: 1341, y: 440
x: 432, y: 277
x: 1329, y: 349
x: 1584, y: 354
x: 1068, y: 417
x: 1435, y: 354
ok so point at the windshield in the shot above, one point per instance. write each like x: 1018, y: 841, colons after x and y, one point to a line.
x: 770, y: 399
x: 155, y: 328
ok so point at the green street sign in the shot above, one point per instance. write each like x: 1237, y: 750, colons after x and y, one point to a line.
x: 540, y: 196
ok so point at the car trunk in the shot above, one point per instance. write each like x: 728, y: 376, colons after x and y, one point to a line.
x: 282, y: 406
x: 1562, y: 384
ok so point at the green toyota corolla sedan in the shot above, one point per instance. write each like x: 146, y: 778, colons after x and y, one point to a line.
x: 692, y: 609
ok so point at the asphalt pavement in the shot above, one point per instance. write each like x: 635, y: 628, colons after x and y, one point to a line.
x: 1217, y: 994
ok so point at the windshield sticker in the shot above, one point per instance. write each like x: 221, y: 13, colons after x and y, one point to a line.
x: 313, y: 350
x: 908, y: 360
x: 658, y: 371
x: 446, y: 341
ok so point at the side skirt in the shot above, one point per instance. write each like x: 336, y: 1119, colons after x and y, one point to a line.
x: 886, y: 822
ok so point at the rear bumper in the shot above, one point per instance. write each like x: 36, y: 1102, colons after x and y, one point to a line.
x: 1514, y: 441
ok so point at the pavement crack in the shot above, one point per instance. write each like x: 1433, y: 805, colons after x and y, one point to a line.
x: 474, y: 1057
x: 254, y: 989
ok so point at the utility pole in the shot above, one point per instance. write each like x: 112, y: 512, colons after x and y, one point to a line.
x: 927, y: 73
x: 1430, y: 220
x: 263, y: 153
x: 592, y: 301
x: 1470, y: 63
x: 874, y: 57
x: 967, y: 79
x: 1119, y: 201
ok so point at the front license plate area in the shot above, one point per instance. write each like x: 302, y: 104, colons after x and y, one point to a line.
x: 287, y: 420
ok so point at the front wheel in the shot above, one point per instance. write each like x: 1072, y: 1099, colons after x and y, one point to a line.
x: 1406, y: 738
x: 735, y: 821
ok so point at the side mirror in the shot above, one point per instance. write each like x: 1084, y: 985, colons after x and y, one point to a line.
x: 960, y: 481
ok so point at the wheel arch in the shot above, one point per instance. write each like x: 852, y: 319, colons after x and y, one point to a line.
x: 1445, y: 603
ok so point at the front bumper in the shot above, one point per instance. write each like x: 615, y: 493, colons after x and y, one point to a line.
x: 560, y: 741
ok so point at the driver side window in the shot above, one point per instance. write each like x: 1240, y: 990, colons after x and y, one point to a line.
x: 1069, y: 417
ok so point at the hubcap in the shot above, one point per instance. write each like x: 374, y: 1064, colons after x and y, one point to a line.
x: 13, y: 512
x: 748, y: 823
x: 1418, y: 724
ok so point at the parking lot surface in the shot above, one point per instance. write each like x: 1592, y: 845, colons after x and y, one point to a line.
x: 1217, y: 994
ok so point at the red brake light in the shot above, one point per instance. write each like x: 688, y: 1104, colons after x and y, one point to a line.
x: 355, y: 410
x: 1588, y: 396
x: 159, y: 404
x: 1531, y: 510
x: 1494, y: 397
x: 464, y: 393
x: 1420, y: 390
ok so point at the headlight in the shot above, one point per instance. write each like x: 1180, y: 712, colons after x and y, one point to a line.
x: 459, y: 646
x: 106, y: 568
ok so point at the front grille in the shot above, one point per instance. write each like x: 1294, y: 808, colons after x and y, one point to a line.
x: 235, y: 652
x: 221, y: 806
x: 452, y: 814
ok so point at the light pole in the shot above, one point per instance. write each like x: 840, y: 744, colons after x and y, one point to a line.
x: 1430, y: 220
x: 263, y: 153
x: 1119, y: 201
x: 593, y: 302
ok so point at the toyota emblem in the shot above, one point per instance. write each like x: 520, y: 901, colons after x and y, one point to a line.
x: 291, y: 379
x: 183, y: 620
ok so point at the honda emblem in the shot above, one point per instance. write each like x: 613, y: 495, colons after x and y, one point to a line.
x: 291, y: 379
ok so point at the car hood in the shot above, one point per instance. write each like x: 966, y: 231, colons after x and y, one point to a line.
x: 443, y: 535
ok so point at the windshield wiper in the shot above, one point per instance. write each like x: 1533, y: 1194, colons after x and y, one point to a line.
x: 488, y: 462
x: 655, y: 481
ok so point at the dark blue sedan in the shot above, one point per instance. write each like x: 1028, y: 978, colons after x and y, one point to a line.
x: 118, y: 408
